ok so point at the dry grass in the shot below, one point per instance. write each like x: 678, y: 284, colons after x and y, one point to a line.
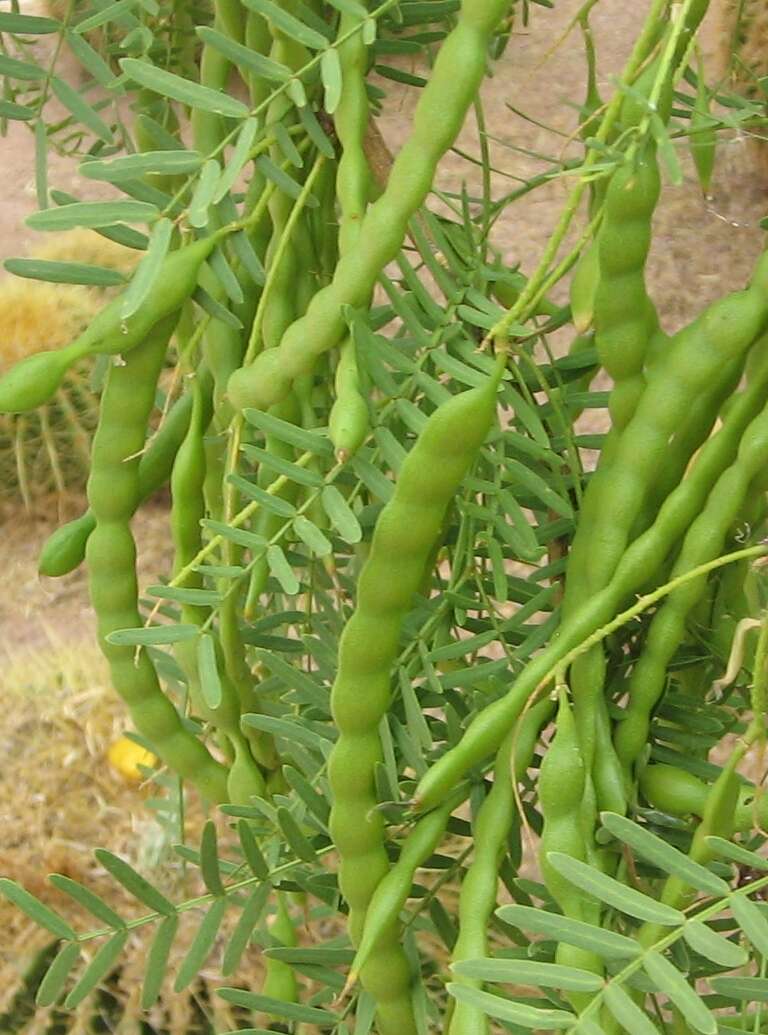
x: 59, y: 796
x: 59, y: 721
x: 48, y: 449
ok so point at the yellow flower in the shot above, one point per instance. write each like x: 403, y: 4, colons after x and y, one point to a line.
x: 126, y: 756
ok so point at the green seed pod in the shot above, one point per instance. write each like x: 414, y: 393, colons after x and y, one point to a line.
x: 674, y: 791
x: 490, y: 831
x: 64, y: 550
x: 113, y: 494
x: 381, y: 918
x: 176, y: 280
x: 562, y: 784
x: 280, y: 979
x: 695, y: 356
x: 45, y: 450
x: 348, y: 421
x: 458, y: 70
x: 679, y: 793
x: 703, y: 542
x: 244, y: 780
x: 403, y: 538
x: 33, y: 381
x: 718, y: 818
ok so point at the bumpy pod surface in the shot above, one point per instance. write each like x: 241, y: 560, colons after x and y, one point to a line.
x: 348, y: 420
x: 382, y: 917
x: 64, y: 550
x: 563, y: 782
x: 695, y: 356
x: 679, y: 793
x: 402, y: 541
x: 490, y: 830
x: 34, y: 380
x: 458, y: 71
x: 625, y: 322
x: 561, y: 788
x: 703, y: 542
x: 114, y: 494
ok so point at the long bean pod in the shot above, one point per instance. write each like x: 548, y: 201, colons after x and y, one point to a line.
x: 703, y: 542
x: 456, y: 76
x: 694, y: 429
x: 113, y: 494
x: 722, y: 333
x: 490, y: 830
x: 223, y: 350
x: 695, y: 358
x: 278, y: 310
x: 382, y: 915
x: 348, y: 419
x: 561, y: 786
x: 627, y: 330
x: 64, y: 550
x: 625, y: 321
x: 33, y: 381
x: 244, y: 778
x: 405, y: 533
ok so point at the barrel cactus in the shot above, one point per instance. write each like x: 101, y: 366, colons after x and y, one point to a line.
x: 47, y: 451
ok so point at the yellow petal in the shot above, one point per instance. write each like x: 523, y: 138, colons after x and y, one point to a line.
x: 125, y: 757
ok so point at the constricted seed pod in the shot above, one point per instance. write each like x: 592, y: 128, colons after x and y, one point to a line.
x: 404, y: 536
x: 34, y: 380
